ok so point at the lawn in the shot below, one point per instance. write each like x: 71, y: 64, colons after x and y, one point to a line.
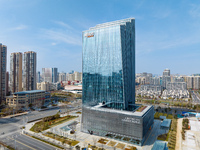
x: 103, y: 141
x: 111, y: 143
x: 120, y: 146
x: 49, y: 122
x: 61, y: 139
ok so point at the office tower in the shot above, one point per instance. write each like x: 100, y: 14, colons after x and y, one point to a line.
x: 50, y: 74
x: 38, y: 77
x: 29, y: 72
x: 166, y: 78
x: 16, y: 72
x: 3, y: 61
x: 62, y: 77
x: 109, y: 64
x: 108, y: 95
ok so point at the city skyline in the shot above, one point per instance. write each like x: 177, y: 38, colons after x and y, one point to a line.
x: 164, y: 38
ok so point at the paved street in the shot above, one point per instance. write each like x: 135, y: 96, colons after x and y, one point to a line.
x: 11, y: 126
x: 195, y: 97
x: 24, y: 142
x: 152, y: 135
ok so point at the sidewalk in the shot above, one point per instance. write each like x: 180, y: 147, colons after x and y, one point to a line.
x: 178, y: 134
x: 19, y: 114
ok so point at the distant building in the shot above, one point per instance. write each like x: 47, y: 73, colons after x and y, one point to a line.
x: 190, y: 82
x: 22, y: 99
x: 149, y: 90
x: 50, y: 74
x: 77, y: 76
x: 3, y: 63
x: 7, y: 84
x: 176, y: 86
x: 16, y: 72
x: 196, y: 82
x: 55, y: 86
x: 62, y: 77
x: 166, y: 78
x: 38, y: 77
x: 29, y: 72
x: 155, y: 81
x: 166, y: 72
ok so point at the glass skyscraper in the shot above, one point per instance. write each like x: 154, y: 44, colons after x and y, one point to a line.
x: 109, y: 64
x: 108, y: 92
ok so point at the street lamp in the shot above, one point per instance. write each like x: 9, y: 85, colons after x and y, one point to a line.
x: 14, y: 137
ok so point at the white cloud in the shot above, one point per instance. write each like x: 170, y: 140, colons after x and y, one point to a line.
x: 195, y: 11
x: 63, y: 24
x: 20, y: 27
x: 61, y: 36
x: 53, y: 44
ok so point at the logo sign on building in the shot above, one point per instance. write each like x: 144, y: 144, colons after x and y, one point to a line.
x: 88, y: 35
x: 131, y: 120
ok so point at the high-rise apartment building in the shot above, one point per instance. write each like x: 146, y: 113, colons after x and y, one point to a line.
x: 196, y: 82
x: 62, y: 77
x: 29, y: 72
x: 190, y: 82
x: 109, y: 83
x: 7, y: 83
x: 16, y: 72
x: 166, y: 72
x: 3, y: 61
x: 50, y: 74
x: 166, y: 78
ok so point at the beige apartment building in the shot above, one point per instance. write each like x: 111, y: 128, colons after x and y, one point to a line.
x: 16, y: 72
x: 22, y: 99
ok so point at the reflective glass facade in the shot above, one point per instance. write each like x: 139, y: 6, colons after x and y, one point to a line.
x: 109, y: 64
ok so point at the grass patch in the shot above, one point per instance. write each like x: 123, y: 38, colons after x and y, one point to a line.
x: 93, y: 147
x: 131, y: 147
x: 120, y: 146
x: 7, y: 146
x: 47, y: 142
x: 62, y: 139
x: 103, y: 141
x: 141, y: 108
x: 162, y: 137
x: 118, y: 137
x: 49, y: 122
x: 111, y: 143
x: 126, y: 139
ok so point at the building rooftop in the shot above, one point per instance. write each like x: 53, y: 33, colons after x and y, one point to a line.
x: 134, y: 113
x: 107, y: 24
x: 166, y: 123
x: 29, y: 92
x: 159, y: 145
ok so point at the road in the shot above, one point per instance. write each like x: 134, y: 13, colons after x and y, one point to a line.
x: 195, y: 97
x: 24, y: 142
x: 152, y: 135
x: 11, y: 126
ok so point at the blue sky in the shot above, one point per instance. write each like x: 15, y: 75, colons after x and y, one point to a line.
x: 167, y: 31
